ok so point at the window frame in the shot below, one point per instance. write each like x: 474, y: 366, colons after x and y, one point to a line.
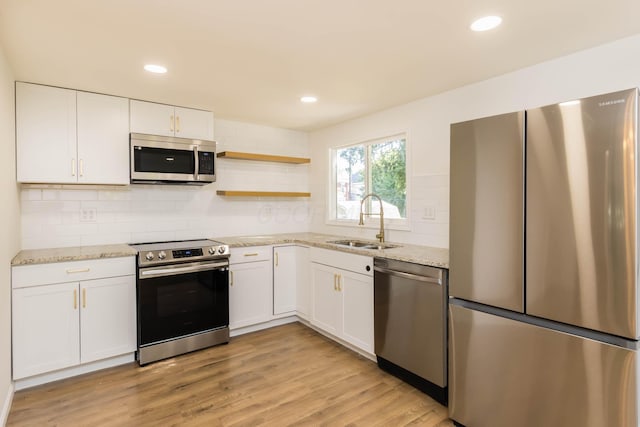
x: 370, y: 222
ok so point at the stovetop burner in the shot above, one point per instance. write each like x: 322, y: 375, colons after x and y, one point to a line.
x: 159, y: 253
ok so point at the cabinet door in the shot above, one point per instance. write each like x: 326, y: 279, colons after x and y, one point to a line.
x: 249, y: 293
x: 303, y: 282
x: 196, y: 124
x: 103, y: 139
x: 152, y: 118
x: 284, y: 279
x: 107, y: 317
x: 45, y: 134
x: 327, y: 301
x: 45, y: 322
x: 357, y: 314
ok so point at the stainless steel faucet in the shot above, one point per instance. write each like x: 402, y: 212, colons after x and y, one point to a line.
x: 380, y: 235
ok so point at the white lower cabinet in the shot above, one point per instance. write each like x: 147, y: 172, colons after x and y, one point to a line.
x: 250, y: 286
x: 62, y: 325
x: 343, y: 299
x: 106, y: 318
x: 284, y: 280
x: 46, y: 329
x: 303, y: 283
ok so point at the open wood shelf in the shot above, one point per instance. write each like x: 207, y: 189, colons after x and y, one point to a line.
x: 262, y: 157
x: 234, y: 193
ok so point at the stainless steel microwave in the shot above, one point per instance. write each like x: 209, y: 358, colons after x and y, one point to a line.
x: 168, y: 160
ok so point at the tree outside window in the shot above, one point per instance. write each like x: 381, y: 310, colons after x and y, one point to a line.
x: 377, y: 166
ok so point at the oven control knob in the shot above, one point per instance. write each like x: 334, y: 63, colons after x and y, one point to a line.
x: 162, y: 255
x: 221, y: 250
x: 149, y: 256
x: 212, y: 250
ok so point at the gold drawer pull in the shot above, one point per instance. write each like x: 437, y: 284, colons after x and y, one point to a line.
x: 84, y: 298
x: 75, y: 299
x: 77, y: 270
x: 252, y: 254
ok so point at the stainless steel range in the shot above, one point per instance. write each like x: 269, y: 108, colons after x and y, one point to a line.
x: 183, y: 297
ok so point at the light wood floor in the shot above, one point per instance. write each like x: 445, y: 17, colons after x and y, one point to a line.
x: 289, y: 375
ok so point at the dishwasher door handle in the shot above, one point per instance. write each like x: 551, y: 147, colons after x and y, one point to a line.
x: 408, y: 275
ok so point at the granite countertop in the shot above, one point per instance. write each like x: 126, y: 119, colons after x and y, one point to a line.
x: 77, y: 253
x: 435, y: 257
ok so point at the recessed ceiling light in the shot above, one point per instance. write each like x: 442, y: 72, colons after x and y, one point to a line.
x: 158, y: 69
x: 308, y: 99
x: 486, y: 23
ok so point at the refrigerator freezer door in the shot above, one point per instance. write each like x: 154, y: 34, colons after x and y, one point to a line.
x: 581, y: 246
x: 486, y: 211
x: 505, y: 373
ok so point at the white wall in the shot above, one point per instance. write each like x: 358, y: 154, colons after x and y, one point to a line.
x: 599, y: 70
x: 9, y: 227
x: 142, y: 213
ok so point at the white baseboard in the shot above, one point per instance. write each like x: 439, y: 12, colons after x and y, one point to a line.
x: 261, y: 326
x: 72, y: 372
x: 342, y: 342
x: 6, y: 407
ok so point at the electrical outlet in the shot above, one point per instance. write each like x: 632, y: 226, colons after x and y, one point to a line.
x: 88, y: 214
x: 429, y: 213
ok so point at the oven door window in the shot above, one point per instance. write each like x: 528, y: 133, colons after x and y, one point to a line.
x: 175, y: 306
x: 163, y: 160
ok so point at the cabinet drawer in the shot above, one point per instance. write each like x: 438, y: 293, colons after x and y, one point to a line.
x: 71, y: 271
x: 250, y: 254
x: 346, y: 261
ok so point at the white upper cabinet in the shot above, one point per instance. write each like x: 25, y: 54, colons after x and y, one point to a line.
x: 66, y: 137
x: 196, y: 124
x: 161, y: 119
x: 46, y: 134
x: 103, y: 139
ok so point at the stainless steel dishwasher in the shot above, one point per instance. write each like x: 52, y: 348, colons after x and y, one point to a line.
x: 410, y: 320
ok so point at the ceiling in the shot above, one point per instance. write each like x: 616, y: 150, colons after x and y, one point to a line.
x: 251, y: 60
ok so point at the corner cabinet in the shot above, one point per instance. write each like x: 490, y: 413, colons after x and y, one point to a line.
x: 343, y: 296
x: 72, y: 313
x: 65, y: 136
x: 169, y: 120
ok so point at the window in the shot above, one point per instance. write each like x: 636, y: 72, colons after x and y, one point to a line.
x: 372, y: 167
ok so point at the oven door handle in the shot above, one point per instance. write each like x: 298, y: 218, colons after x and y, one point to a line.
x: 172, y: 271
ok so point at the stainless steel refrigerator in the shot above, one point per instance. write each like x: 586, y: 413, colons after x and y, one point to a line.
x: 543, y: 305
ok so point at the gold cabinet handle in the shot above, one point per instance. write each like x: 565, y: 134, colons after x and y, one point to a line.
x: 177, y: 123
x: 84, y: 298
x: 77, y: 270
x: 339, y: 284
x: 276, y: 259
x: 81, y: 167
x: 335, y: 282
x: 73, y: 167
x: 252, y: 254
x: 75, y: 299
x: 230, y: 278
x: 171, y: 123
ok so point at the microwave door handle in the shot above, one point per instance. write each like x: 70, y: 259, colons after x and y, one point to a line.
x: 195, y: 153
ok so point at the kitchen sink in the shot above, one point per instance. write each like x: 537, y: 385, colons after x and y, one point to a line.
x: 363, y: 244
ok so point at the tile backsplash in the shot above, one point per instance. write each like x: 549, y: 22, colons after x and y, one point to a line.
x: 69, y: 217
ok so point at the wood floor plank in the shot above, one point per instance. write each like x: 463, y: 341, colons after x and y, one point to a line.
x: 289, y: 375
